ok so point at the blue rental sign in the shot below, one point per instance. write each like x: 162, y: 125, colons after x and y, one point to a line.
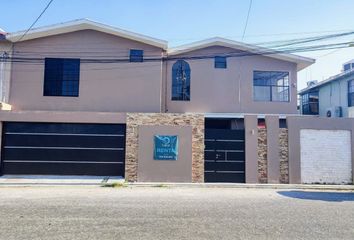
x: 165, y: 147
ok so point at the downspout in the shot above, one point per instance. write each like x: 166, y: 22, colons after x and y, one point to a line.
x: 8, y: 87
x: 239, y: 87
x: 165, y: 87
x: 2, y: 75
x: 162, y: 83
x: 340, y: 93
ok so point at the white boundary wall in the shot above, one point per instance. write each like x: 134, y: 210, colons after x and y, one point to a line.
x: 326, y: 156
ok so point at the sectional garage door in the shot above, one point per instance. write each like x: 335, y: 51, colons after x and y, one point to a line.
x: 63, y: 149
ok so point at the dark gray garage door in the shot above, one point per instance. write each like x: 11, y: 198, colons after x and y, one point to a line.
x: 63, y: 149
x: 224, y: 155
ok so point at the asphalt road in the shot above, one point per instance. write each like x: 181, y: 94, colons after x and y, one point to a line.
x: 173, y: 213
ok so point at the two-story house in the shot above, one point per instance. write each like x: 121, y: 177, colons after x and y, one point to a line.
x: 70, y: 86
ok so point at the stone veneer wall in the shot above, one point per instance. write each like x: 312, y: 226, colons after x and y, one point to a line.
x: 262, y: 155
x: 284, y: 155
x: 134, y: 120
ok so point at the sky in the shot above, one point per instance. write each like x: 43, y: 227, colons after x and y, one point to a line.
x: 184, y: 21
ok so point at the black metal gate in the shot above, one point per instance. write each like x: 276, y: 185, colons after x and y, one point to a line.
x: 63, y: 149
x: 224, y: 155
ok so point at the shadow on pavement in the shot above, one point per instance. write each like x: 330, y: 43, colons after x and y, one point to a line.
x: 321, y: 196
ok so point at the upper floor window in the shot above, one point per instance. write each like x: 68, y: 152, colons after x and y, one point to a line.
x: 220, y: 62
x: 181, y: 79
x: 136, y: 55
x: 310, y: 103
x: 346, y: 67
x: 271, y: 86
x: 61, y: 77
x: 351, y: 93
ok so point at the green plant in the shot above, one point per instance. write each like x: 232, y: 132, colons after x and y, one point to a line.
x: 160, y: 185
x: 115, y: 185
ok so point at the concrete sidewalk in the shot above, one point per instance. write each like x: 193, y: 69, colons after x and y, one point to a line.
x: 247, y: 185
x: 45, y: 180
x: 39, y: 180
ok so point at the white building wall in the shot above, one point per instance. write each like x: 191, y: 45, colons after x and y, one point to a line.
x: 326, y: 156
x: 351, y: 112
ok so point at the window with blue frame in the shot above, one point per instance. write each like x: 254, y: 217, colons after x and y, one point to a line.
x: 310, y: 103
x: 220, y: 62
x: 351, y: 93
x: 136, y: 55
x: 181, y: 81
x: 61, y: 77
x: 271, y: 86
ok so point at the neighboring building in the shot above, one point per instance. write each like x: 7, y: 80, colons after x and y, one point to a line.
x: 88, y: 99
x: 333, y: 97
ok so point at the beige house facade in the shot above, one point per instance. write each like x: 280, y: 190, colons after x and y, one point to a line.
x: 108, y: 83
x: 84, y: 98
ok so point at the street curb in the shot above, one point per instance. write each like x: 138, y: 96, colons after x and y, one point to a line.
x: 246, y: 186
x: 187, y: 185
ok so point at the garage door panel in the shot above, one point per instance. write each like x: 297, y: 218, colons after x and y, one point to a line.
x: 64, y: 169
x: 240, y: 156
x: 226, y: 134
x: 63, y: 149
x: 103, y: 141
x: 87, y: 128
x: 223, y: 155
x: 212, y: 155
x: 225, y: 144
x: 224, y: 165
x: 224, y: 177
x: 29, y: 154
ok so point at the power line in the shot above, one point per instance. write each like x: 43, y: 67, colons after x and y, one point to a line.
x: 279, y: 48
x: 259, y: 52
x: 289, y: 46
x: 331, y: 52
x: 295, y: 33
x: 102, y: 53
x: 40, y: 15
x: 297, y: 41
x: 265, y: 34
x: 248, y: 15
x: 90, y: 49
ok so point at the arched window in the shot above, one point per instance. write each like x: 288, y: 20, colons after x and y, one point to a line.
x: 181, y: 81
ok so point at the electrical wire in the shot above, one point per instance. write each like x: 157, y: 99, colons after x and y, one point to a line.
x: 117, y: 53
x: 274, y: 48
x: 261, y: 52
x: 248, y: 15
x: 292, y: 46
x: 265, y: 35
x: 40, y: 15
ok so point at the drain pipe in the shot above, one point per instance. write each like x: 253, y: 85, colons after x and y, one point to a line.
x: 3, y: 59
x: 2, y: 75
